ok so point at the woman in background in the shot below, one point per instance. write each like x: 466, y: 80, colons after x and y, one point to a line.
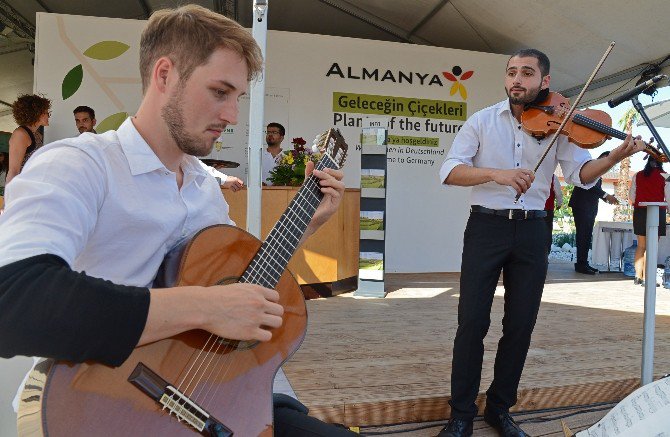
x: 648, y: 185
x: 30, y: 112
x: 4, y: 165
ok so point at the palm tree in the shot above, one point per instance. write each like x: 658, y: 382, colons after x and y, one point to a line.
x: 622, y: 212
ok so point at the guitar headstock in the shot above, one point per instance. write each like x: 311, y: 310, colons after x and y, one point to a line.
x: 332, y: 143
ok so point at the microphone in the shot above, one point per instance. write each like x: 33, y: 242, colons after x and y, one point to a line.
x: 616, y: 101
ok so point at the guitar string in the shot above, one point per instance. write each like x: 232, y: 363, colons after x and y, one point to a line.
x: 211, y: 353
x: 182, y: 402
x: 259, y: 278
x: 214, y: 353
x: 301, y: 196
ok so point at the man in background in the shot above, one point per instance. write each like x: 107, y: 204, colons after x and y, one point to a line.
x: 84, y: 118
x: 584, y: 204
x: 274, y: 135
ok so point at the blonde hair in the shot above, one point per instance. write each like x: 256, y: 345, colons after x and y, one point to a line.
x: 188, y: 35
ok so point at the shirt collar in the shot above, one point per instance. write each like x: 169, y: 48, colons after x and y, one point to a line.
x: 503, y: 106
x: 138, y: 153
x: 142, y: 158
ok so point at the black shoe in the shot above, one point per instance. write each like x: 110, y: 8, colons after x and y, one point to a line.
x: 457, y: 428
x: 503, y: 423
x: 585, y: 269
x: 593, y: 269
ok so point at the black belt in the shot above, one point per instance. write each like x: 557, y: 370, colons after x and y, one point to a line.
x: 512, y: 214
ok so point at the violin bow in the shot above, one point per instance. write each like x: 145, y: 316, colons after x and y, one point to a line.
x: 571, y: 111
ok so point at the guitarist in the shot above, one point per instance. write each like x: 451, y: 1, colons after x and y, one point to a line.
x: 89, y: 219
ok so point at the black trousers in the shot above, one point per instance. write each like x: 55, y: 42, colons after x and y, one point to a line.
x: 584, y: 221
x: 518, y: 248
x: 549, y: 220
x: 289, y: 422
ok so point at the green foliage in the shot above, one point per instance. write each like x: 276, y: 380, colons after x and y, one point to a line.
x: 559, y: 239
x: 565, y: 210
x: 285, y: 175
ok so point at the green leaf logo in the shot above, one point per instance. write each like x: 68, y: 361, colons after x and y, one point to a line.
x: 112, y: 122
x: 106, y: 50
x: 72, y: 81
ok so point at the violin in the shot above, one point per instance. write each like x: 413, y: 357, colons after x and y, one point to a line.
x: 588, y: 128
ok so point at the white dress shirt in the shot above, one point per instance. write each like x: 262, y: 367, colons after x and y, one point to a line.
x: 269, y: 163
x: 493, y: 138
x: 558, y: 192
x: 107, y: 206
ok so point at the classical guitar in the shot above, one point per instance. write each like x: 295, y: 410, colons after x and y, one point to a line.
x: 195, y: 382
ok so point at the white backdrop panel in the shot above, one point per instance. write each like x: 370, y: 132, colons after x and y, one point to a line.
x: 425, y: 221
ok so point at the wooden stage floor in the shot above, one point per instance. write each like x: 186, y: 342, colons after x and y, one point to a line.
x: 388, y: 361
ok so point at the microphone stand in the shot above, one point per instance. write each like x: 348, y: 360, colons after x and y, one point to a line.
x: 640, y: 109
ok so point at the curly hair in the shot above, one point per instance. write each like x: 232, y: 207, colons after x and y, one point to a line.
x: 28, y: 108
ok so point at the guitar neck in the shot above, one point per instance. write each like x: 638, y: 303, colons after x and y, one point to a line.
x: 598, y: 127
x: 276, y: 251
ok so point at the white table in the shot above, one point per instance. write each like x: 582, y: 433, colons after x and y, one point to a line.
x: 620, y: 231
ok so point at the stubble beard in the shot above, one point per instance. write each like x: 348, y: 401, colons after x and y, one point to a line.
x: 174, y: 119
x: 531, y: 95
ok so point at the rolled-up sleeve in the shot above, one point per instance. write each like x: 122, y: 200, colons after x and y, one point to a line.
x: 463, y: 149
x: 572, y: 159
x: 222, y: 177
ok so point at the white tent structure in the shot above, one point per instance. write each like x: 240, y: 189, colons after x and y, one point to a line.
x: 573, y: 33
x: 658, y: 113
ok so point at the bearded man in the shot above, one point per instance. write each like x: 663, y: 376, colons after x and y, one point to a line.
x: 493, y: 154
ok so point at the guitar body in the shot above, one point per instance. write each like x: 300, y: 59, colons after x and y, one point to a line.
x: 230, y: 380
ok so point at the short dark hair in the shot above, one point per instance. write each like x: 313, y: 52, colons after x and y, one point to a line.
x: 282, y: 131
x: 542, y: 59
x: 88, y: 109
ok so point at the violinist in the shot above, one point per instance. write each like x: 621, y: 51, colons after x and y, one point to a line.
x: 493, y: 154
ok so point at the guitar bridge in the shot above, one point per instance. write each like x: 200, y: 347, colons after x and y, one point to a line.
x: 176, y: 402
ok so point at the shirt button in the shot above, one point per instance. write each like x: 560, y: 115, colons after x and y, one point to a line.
x: 167, y: 173
x: 518, y: 145
x: 517, y: 164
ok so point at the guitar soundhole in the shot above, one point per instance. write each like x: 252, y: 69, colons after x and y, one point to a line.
x: 238, y: 344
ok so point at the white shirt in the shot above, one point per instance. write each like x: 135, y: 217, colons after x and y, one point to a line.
x: 269, y: 162
x: 493, y: 138
x: 558, y: 192
x: 106, y: 205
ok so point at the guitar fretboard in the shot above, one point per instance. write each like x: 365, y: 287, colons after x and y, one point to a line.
x: 271, y: 260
